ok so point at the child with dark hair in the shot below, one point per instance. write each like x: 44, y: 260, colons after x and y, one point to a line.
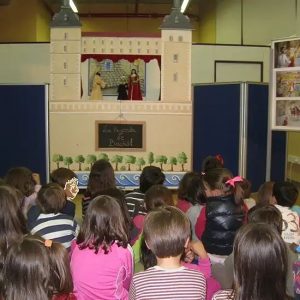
x: 266, y: 214
x: 37, y: 269
x: 246, y: 185
x: 260, y: 265
x: 101, y: 177
x: 27, y: 183
x: 265, y: 194
x: 67, y: 179
x: 102, y: 261
x: 191, y: 198
x: 285, y: 195
x: 212, y: 162
x: 166, y: 233
x: 150, y: 175
x: 51, y: 223
x: 223, y: 214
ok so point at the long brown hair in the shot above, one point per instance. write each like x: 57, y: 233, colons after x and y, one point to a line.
x: 101, y: 177
x: 260, y: 263
x: 35, y: 271
x: 103, y: 225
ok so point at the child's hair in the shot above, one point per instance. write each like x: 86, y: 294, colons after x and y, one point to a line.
x: 285, y: 193
x: 101, y: 177
x: 166, y: 231
x: 103, y: 226
x: 36, y: 270
x: 260, y: 263
x: 191, y: 188
x: 12, y: 221
x: 151, y: 175
x: 268, y: 214
x: 212, y: 162
x: 158, y: 196
x: 21, y: 178
x: 51, y: 198
x: 120, y: 197
x: 246, y: 185
x: 265, y: 193
x: 61, y: 176
x: 216, y: 179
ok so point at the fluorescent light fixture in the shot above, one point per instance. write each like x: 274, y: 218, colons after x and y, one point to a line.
x: 73, y: 6
x: 184, y: 5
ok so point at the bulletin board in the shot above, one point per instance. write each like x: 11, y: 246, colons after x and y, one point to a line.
x: 285, y: 83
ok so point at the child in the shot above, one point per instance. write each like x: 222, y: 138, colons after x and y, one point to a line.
x: 156, y: 196
x: 246, y: 186
x: 37, y: 269
x: 27, y: 183
x: 285, y: 195
x: 191, y: 198
x: 267, y: 214
x: 67, y: 179
x: 260, y: 265
x: 150, y: 175
x: 265, y: 194
x: 212, y: 162
x: 167, y: 233
x: 101, y: 177
x: 223, y: 214
x: 13, y: 224
x: 102, y: 261
x: 51, y: 224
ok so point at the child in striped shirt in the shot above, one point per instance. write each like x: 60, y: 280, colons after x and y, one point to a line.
x: 166, y: 233
x: 51, y: 224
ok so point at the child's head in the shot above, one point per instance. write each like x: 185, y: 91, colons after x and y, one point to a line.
x: 67, y: 179
x: 103, y: 225
x: 260, y: 263
x: 167, y: 232
x: 191, y: 188
x: 285, y: 193
x: 212, y: 162
x: 12, y: 222
x: 268, y: 214
x: 158, y: 196
x: 246, y: 186
x: 265, y: 193
x: 101, y: 177
x: 220, y: 182
x: 151, y: 175
x: 51, y: 198
x: 36, y: 269
x: 21, y: 178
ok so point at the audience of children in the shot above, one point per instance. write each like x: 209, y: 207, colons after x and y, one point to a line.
x: 51, y: 223
x: 150, y: 175
x: 260, y: 265
x: 167, y: 232
x: 212, y: 206
x: 101, y: 177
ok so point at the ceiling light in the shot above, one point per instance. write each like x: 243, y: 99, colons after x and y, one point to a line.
x: 184, y: 5
x: 73, y: 6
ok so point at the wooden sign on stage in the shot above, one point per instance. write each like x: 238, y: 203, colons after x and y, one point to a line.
x: 119, y: 135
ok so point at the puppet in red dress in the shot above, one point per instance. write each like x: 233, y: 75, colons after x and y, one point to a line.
x: 134, y: 88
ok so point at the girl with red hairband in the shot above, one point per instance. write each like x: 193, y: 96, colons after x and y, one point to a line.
x: 223, y: 214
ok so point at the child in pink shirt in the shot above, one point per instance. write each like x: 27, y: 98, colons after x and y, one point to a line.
x: 102, y: 260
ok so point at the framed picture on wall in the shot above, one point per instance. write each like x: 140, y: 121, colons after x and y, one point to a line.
x: 285, y: 85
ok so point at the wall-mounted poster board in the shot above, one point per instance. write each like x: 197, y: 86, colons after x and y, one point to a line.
x: 120, y: 135
x: 285, y: 100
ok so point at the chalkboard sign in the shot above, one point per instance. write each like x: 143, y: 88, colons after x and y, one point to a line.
x: 113, y: 135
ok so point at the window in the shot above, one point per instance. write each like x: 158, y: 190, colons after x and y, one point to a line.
x: 66, y: 35
x: 180, y: 38
x: 108, y: 65
x: 175, y: 58
x: 171, y: 38
x: 65, y: 48
x: 65, y: 81
x: 65, y: 65
x: 175, y: 77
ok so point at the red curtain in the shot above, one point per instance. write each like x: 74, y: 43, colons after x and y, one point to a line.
x: 117, y: 57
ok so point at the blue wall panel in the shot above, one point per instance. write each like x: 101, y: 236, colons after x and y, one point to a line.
x: 23, y: 125
x: 216, y: 120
